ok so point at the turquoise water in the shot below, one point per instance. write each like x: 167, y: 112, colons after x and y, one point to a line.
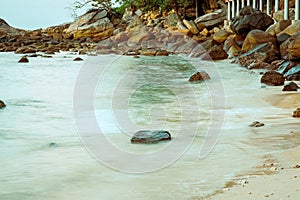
x: 43, y: 156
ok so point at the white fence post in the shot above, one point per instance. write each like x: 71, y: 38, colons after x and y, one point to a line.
x: 248, y: 2
x: 237, y: 7
x: 286, y: 10
x: 228, y: 11
x: 254, y: 4
x: 233, y: 9
x: 261, y: 5
x: 297, y: 7
x: 268, y: 7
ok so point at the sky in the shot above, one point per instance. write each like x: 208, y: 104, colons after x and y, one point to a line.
x: 35, y: 14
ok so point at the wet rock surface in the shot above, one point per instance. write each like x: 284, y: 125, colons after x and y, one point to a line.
x: 2, y: 104
x: 273, y: 78
x: 199, y: 76
x: 296, y: 113
x: 150, y: 137
x: 292, y: 86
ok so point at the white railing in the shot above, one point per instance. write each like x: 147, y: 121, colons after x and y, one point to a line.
x: 234, y: 7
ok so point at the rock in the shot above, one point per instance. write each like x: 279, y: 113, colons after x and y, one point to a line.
x: 24, y: 59
x: 25, y: 50
x: 290, y: 87
x: 212, y: 19
x: 2, y: 104
x: 191, y: 26
x: 262, y: 65
x: 199, y: 76
x: 148, y: 52
x: 272, y: 78
x: 78, y: 59
x: 148, y: 136
x: 221, y: 36
x: 256, y: 124
x: 231, y: 47
x: 290, y: 49
x: 162, y: 53
x: 171, y: 21
x: 250, y: 19
x: 291, y: 29
x: 215, y: 53
x: 93, y: 24
x: 257, y: 37
x: 204, y: 32
x: 282, y: 38
x: 278, y: 27
x: 293, y: 74
x: 139, y: 37
x: 296, y: 113
x: 261, y: 53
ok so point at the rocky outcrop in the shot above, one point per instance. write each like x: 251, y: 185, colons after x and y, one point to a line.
x: 278, y: 27
x: 272, y: 78
x: 94, y: 24
x: 2, y: 104
x: 250, y: 19
x: 290, y: 49
x: 212, y: 19
x: 292, y: 86
x: 199, y: 76
x: 148, y: 137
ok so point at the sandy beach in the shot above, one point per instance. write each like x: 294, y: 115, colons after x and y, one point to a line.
x: 278, y: 175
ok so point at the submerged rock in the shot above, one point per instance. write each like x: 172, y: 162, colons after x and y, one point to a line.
x: 292, y: 86
x: 256, y: 124
x: 2, y: 104
x: 24, y: 59
x: 296, y: 113
x: 148, y: 136
x: 78, y: 59
x: 272, y: 78
x: 199, y: 76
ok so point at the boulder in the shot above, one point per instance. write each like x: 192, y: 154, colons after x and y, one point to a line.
x: 261, y: 53
x: 191, y: 26
x: 292, y: 29
x: 199, y: 76
x: 296, y: 113
x: 262, y: 65
x: 90, y: 24
x: 278, y: 27
x: 250, y: 19
x: 171, y: 21
x: 257, y: 37
x: 221, y: 36
x: 216, y: 53
x: 24, y: 59
x: 148, y: 136
x: 272, y: 78
x: 292, y: 86
x: 212, y: 19
x: 290, y: 49
x: 293, y: 74
x: 231, y: 47
x: 2, y: 104
x: 25, y: 50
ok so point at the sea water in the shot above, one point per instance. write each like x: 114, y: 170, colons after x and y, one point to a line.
x: 45, y: 152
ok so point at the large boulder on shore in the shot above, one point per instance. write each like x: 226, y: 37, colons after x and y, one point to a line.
x: 148, y: 136
x: 212, y: 19
x: 290, y: 49
x: 257, y: 37
x: 250, y: 19
x: 94, y: 24
x: 272, y: 78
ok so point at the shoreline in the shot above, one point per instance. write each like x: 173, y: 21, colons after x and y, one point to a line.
x: 278, y: 174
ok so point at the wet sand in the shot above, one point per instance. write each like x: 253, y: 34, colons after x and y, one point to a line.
x: 278, y: 175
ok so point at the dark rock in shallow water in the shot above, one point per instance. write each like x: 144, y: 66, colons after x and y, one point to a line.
x: 78, y: 59
x: 256, y: 124
x: 291, y: 87
x: 2, y: 104
x: 24, y: 59
x: 148, y: 136
x: 296, y: 113
x: 199, y: 76
x: 272, y: 78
